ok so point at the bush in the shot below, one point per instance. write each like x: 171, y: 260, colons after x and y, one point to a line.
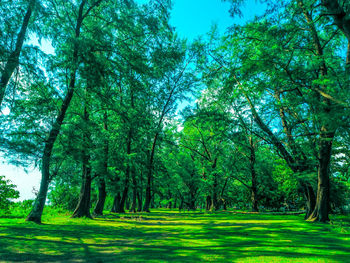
x: 7, y: 192
x: 64, y: 196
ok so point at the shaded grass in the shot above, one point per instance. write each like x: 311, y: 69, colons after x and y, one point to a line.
x: 170, y: 236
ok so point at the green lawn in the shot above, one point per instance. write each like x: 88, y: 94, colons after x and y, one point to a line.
x: 170, y: 236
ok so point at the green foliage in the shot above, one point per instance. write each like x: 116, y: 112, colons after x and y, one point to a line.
x: 64, y: 196
x: 8, y: 192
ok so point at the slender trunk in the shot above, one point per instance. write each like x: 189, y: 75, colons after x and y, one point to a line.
x: 181, y: 206
x: 127, y: 203
x: 123, y: 199
x: 35, y: 214
x: 215, y: 204
x: 83, y: 207
x: 38, y: 207
x: 13, y: 60
x: 127, y: 175
x: 208, y: 203
x: 254, y: 188
x: 134, y: 192
x: 102, y: 194
x: 149, y: 175
x: 116, y: 203
x: 148, y: 191
x: 139, y: 202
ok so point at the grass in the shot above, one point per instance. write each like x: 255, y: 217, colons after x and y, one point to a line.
x: 170, y: 236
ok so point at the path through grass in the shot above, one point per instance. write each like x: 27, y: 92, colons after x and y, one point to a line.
x: 164, y: 236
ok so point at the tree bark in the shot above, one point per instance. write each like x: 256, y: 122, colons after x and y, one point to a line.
x: 322, y: 206
x: 254, y: 188
x: 116, y: 203
x: 149, y: 175
x: 13, y: 60
x: 208, y: 203
x: 134, y: 191
x: 102, y: 194
x: 310, y: 199
x: 83, y: 207
x: 127, y: 175
x: 139, y: 201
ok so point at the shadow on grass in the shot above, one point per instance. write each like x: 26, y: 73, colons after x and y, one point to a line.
x: 172, y: 237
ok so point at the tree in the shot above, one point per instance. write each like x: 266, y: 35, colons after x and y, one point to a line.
x: 12, y: 60
x: 7, y: 192
x: 35, y: 214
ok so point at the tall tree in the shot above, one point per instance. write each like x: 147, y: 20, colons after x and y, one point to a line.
x: 83, y: 12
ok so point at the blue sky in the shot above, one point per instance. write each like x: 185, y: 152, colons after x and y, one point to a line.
x: 191, y: 18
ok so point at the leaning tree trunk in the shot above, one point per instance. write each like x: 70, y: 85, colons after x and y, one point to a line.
x: 13, y: 60
x: 38, y: 207
x: 102, y: 194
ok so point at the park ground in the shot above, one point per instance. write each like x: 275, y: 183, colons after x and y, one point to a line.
x: 171, y: 236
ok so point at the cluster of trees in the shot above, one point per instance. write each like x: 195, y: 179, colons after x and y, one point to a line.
x: 99, y: 116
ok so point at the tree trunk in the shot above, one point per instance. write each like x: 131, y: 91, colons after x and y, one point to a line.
x: 310, y: 199
x: 139, y: 201
x: 322, y: 206
x: 102, y: 194
x: 149, y: 175
x: 148, y: 192
x: 38, y: 207
x: 13, y: 60
x: 181, y: 206
x: 254, y: 188
x: 83, y: 207
x: 208, y: 203
x: 116, y: 203
x: 215, y: 203
x: 127, y: 175
x: 134, y: 192
x: 123, y: 199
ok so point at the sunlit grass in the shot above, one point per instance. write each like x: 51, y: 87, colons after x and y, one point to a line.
x: 170, y: 236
